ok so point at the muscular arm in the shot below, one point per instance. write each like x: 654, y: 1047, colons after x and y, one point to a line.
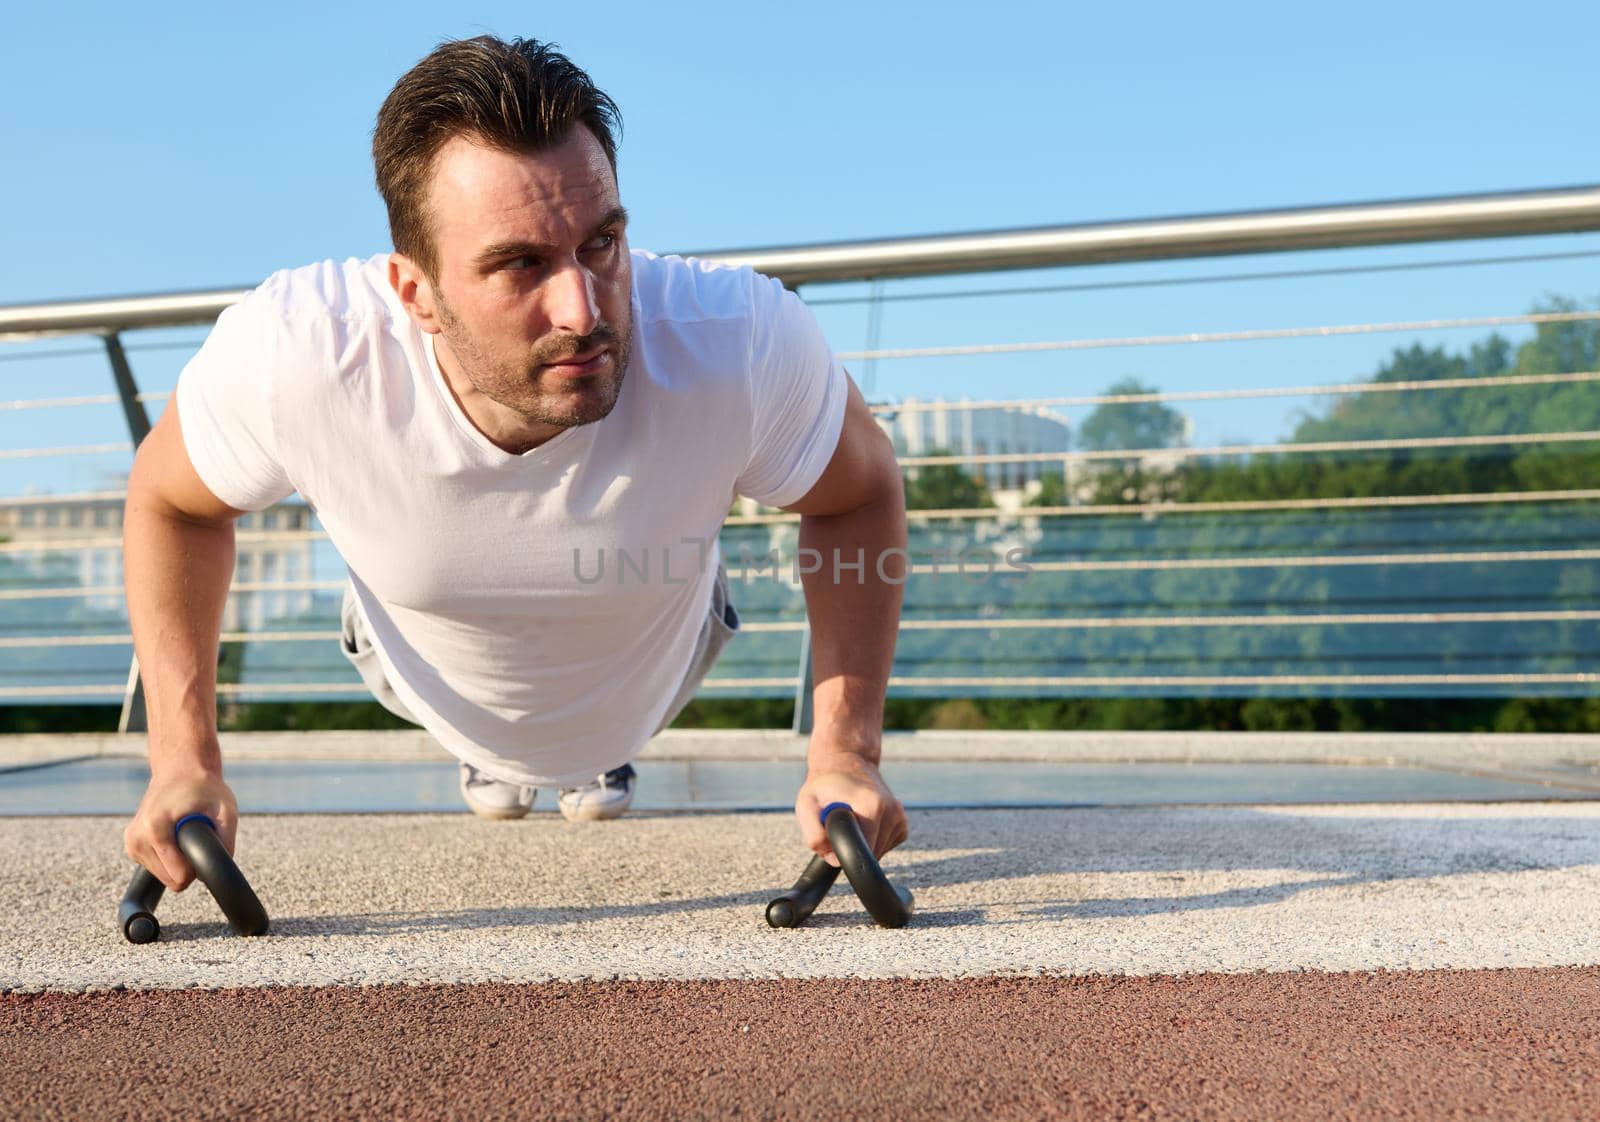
x: 178, y: 559
x: 854, y: 514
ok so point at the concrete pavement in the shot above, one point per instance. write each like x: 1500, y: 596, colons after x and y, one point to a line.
x: 366, y: 899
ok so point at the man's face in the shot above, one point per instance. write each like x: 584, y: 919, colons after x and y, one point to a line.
x: 532, y: 293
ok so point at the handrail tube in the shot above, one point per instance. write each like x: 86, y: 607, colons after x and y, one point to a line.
x: 1393, y: 222
x: 105, y: 315
x: 1566, y: 210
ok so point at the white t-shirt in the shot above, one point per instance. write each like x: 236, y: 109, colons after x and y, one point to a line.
x: 478, y: 571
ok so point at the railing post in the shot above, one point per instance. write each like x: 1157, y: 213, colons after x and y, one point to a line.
x: 133, y: 718
x: 802, y: 691
x: 132, y: 407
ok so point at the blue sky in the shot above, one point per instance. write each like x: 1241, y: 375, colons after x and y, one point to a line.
x: 180, y: 146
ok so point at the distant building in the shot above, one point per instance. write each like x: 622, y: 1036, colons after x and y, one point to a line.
x: 918, y: 427
x: 64, y: 522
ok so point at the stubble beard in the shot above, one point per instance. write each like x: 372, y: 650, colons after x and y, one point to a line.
x: 514, y: 385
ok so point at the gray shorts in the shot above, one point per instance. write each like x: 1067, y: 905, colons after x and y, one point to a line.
x: 720, y: 625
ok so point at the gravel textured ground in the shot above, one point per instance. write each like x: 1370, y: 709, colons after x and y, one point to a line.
x: 372, y: 899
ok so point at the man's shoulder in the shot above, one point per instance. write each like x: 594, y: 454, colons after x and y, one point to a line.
x: 350, y: 292
x: 311, y: 321
x: 672, y: 289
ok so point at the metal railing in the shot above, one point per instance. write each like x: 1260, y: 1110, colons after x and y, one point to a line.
x: 1509, y: 214
x: 1386, y: 223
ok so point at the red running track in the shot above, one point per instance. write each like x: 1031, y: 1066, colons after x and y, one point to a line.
x: 1499, y: 1044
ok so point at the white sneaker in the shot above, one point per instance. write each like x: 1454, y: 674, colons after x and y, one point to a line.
x: 607, y: 797
x: 492, y: 798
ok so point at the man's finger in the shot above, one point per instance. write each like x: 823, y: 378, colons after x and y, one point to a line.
x: 811, y: 832
x: 871, y: 831
x: 171, y: 859
x: 893, y: 834
x: 823, y: 848
x: 152, y: 863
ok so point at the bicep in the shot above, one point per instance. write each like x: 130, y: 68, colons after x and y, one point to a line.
x: 862, y: 470
x: 164, y: 476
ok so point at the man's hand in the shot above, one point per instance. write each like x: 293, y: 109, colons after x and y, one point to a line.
x: 149, y: 838
x: 854, y: 780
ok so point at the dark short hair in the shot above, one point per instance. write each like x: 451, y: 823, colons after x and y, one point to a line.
x: 519, y: 96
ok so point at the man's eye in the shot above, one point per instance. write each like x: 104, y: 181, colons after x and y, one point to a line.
x: 604, y: 241
x: 524, y: 262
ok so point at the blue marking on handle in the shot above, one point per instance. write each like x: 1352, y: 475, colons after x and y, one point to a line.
x: 829, y: 809
x: 191, y: 818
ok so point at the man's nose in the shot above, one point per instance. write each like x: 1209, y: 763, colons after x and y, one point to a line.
x: 571, y: 304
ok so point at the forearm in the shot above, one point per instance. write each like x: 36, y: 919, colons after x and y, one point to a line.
x: 176, y: 575
x: 855, y: 617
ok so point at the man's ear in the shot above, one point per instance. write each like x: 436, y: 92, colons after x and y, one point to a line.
x: 411, y: 284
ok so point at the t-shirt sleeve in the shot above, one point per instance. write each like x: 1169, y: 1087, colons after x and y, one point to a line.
x: 798, y: 391
x: 225, y: 401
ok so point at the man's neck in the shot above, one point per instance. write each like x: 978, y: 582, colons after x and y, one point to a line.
x: 507, y: 430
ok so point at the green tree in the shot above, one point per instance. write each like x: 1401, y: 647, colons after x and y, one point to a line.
x: 945, y: 487
x: 1052, y: 491
x: 1131, y: 426
x: 1138, y: 424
